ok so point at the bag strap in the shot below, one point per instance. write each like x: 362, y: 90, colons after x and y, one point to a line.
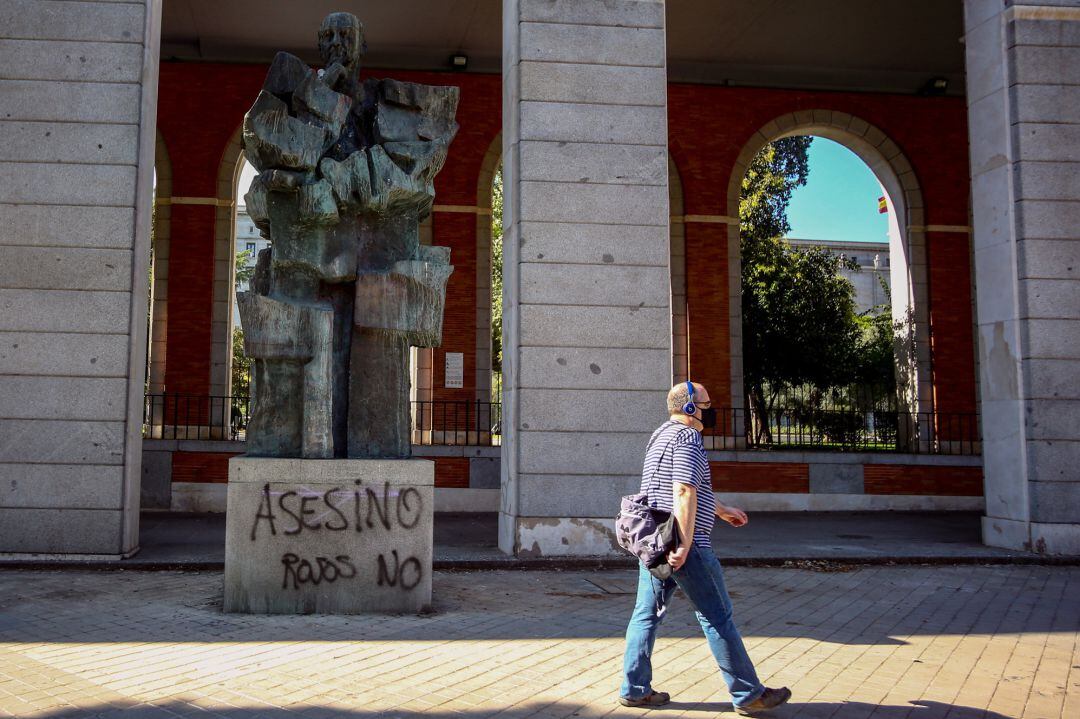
x: 656, y: 470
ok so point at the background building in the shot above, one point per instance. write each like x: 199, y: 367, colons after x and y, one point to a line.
x: 873, y: 261
x: 624, y: 130
x: 250, y: 241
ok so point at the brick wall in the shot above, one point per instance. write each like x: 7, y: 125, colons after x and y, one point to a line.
x: 209, y: 467
x: 200, y: 108
x: 914, y: 479
x: 707, y: 307
x: 451, y: 472
x: 782, y: 477
x: 951, y: 339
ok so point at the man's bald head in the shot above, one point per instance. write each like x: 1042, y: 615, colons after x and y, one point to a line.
x: 679, y: 395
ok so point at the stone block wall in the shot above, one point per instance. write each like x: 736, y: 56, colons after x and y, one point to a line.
x: 1023, y: 80
x: 587, y: 315
x: 76, y: 159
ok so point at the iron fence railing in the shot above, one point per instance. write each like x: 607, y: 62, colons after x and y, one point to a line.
x: 186, y: 416
x: 845, y: 398
x: 479, y: 423
x: 846, y: 431
x: 434, y: 422
x: 457, y: 422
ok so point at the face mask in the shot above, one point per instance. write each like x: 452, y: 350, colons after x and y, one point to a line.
x: 708, y: 417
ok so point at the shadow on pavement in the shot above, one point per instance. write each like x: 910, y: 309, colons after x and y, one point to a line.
x: 916, y: 709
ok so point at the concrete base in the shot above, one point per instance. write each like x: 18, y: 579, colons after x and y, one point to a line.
x: 1038, y: 537
x: 15, y: 557
x: 559, y: 536
x: 530, y: 537
x: 198, y: 497
x: 332, y: 536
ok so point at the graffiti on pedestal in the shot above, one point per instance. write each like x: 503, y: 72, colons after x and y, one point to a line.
x: 292, y: 512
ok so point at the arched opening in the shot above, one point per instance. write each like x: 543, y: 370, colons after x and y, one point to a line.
x: 159, y: 270
x: 851, y: 414
x: 489, y: 275
x: 232, y: 184
x: 247, y: 243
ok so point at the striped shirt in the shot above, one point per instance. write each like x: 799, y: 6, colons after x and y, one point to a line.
x: 676, y: 454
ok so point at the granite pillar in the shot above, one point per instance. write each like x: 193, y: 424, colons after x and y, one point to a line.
x: 587, y: 297
x: 1023, y: 93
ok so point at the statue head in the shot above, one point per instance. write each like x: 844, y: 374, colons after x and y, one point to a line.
x: 341, y: 40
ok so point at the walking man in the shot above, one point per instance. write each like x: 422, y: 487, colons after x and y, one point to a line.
x: 677, y: 479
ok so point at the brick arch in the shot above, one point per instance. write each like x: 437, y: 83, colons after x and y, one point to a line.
x: 227, y: 196
x: 484, y: 183
x: 907, y: 240
x: 159, y: 269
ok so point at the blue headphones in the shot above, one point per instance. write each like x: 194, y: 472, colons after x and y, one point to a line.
x: 689, y: 407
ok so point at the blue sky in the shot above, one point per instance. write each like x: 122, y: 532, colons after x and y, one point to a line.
x: 840, y: 199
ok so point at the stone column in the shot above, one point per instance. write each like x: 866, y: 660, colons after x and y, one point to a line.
x: 77, y: 136
x: 587, y: 303
x: 1023, y: 91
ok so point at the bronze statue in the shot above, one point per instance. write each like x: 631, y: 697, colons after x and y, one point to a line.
x: 346, y: 172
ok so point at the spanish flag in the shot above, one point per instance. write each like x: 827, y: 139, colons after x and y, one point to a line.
x: 882, y: 206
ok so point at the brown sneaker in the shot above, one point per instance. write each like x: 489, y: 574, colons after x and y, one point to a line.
x: 769, y: 699
x: 654, y: 699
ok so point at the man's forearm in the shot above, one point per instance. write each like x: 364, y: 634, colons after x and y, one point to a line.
x: 684, y: 506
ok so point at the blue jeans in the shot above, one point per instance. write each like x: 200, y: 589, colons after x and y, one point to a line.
x: 702, y: 581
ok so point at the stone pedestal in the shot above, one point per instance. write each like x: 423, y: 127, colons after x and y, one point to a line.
x: 332, y: 536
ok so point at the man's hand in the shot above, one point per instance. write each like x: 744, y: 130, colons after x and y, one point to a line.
x: 732, y: 515
x: 677, y: 557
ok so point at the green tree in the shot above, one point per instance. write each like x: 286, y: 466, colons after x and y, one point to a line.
x: 496, y: 270
x: 244, y: 269
x: 800, y: 327
x: 241, y: 365
x: 773, y: 175
x: 876, y: 350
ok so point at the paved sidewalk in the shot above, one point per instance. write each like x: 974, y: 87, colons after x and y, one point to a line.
x: 902, y: 641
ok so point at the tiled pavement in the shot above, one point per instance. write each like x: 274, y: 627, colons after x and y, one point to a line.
x: 881, y: 641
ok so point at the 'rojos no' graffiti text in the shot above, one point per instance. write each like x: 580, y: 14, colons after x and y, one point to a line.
x: 404, y: 574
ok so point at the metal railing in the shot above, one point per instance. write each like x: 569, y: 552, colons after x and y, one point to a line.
x: 801, y: 429
x: 478, y: 423
x: 434, y: 422
x: 186, y: 416
x: 457, y: 422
